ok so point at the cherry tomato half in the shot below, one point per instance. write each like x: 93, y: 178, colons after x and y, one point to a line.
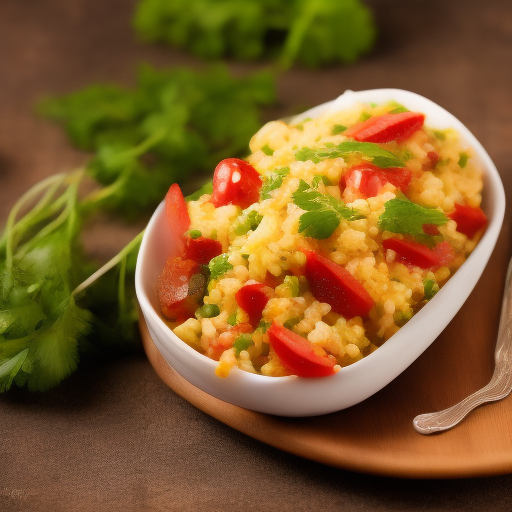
x: 235, y: 182
x: 337, y: 286
x: 297, y: 354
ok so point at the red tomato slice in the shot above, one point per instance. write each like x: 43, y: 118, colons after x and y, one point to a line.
x: 297, y: 354
x: 369, y: 179
x: 180, y: 288
x: 419, y: 255
x: 235, y: 182
x: 252, y: 299
x: 338, y: 287
x: 469, y: 219
x: 387, y: 128
x: 176, y: 213
x: 202, y: 249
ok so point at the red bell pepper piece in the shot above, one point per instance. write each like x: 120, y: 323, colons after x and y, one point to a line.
x: 180, y: 288
x: 176, y: 213
x: 469, y: 219
x: 252, y: 299
x: 297, y: 354
x: 338, y: 287
x: 369, y: 179
x: 387, y: 128
x: 202, y: 249
x: 235, y: 182
x: 419, y: 255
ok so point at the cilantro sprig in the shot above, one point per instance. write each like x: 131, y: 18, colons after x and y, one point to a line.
x: 56, y: 305
x: 312, y: 32
x: 367, y: 150
x: 408, y: 218
x: 323, y: 212
x: 273, y: 181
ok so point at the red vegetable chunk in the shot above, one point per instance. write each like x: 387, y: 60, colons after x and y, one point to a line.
x: 177, y: 214
x: 333, y: 284
x: 180, y: 288
x: 235, y: 182
x: 387, y: 128
x: 469, y: 219
x: 202, y: 249
x: 420, y: 255
x: 297, y: 354
x: 368, y: 179
x: 252, y: 299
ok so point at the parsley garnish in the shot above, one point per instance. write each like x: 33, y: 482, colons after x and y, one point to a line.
x: 367, y: 150
x: 323, y: 212
x: 272, y: 181
x: 219, y: 265
x: 407, y: 218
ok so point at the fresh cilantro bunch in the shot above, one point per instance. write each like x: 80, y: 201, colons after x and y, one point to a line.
x: 171, y: 126
x: 312, y: 32
x: 55, y: 303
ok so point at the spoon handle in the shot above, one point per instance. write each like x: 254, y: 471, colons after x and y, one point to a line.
x: 499, y: 386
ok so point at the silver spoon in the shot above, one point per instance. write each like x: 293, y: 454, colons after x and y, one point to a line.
x: 499, y: 386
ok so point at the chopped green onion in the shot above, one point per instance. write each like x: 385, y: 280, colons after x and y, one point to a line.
x: 267, y: 150
x: 337, y: 129
x: 209, y: 310
x: 463, y: 159
x: 243, y: 342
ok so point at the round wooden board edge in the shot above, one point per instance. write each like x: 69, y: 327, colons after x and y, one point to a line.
x: 249, y: 423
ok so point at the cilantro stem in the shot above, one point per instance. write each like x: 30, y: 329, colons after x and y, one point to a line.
x: 109, y: 265
x: 51, y: 183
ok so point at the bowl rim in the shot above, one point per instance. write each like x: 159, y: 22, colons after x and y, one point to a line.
x: 478, y: 259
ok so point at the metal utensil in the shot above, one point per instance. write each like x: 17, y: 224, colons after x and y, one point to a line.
x: 499, y: 386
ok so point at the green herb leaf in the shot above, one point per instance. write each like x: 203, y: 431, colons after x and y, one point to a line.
x: 313, y: 32
x: 367, y: 150
x: 408, y: 218
x: 273, y: 181
x: 323, y: 212
x: 219, y: 266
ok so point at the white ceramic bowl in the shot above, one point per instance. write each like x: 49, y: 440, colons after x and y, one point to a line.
x: 294, y: 396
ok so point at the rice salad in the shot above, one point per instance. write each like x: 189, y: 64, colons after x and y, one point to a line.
x: 313, y: 251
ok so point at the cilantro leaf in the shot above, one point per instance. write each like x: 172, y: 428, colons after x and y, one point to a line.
x: 273, y: 181
x: 323, y: 212
x: 219, y: 265
x: 408, y: 218
x: 367, y: 150
x: 310, y: 31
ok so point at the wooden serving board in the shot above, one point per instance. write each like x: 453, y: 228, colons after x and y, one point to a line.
x: 377, y: 436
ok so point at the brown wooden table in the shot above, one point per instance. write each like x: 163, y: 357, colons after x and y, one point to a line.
x: 113, y: 436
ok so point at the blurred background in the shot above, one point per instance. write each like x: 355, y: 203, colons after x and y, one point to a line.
x: 289, y: 56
